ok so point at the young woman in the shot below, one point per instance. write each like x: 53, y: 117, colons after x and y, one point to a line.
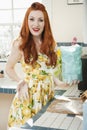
x: 35, y: 48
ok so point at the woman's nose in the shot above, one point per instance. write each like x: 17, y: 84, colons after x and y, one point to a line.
x: 36, y: 23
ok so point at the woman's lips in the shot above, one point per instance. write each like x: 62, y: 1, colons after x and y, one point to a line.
x: 36, y: 29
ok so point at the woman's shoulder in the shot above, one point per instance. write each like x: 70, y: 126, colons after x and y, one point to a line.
x: 16, y: 46
x: 17, y: 42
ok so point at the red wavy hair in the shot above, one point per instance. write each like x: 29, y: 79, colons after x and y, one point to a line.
x: 48, y: 42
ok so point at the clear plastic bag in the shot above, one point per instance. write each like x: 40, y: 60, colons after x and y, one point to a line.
x: 71, y: 63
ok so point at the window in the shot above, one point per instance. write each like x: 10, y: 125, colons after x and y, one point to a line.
x: 11, y: 16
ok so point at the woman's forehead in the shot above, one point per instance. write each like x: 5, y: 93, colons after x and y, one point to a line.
x: 36, y: 13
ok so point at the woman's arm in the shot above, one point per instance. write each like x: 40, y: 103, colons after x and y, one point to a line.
x: 15, y: 56
x: 13, y: 59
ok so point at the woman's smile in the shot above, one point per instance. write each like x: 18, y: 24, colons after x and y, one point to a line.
x: 36, y: 29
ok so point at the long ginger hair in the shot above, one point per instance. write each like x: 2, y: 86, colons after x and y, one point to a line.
x: 48, y: 42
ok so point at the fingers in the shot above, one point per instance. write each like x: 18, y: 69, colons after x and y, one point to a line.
x: 20, y: 84
x: 23, y: 92
x: 84, y: 96
x: 74, y: 82
x: 23, y: 96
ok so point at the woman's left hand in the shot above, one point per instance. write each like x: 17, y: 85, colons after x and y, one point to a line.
x: 60, y: 84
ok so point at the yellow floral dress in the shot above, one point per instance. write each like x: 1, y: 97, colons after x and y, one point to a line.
x: 41, y: 89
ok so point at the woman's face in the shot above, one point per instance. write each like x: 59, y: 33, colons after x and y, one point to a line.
x: 36, y: 22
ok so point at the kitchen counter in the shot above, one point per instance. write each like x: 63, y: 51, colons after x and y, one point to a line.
x: 7, y: 86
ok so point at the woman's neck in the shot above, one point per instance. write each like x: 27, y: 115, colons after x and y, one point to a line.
x: 38, y: 43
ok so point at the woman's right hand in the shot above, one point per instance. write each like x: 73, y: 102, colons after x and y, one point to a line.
x: 22, y: 90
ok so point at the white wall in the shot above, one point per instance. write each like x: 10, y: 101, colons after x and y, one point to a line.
x: 85, y: 21
x: 66, y: 20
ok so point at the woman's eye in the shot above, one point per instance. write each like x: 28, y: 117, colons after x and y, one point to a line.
x: 31, y: 19
x: 41, y: 20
